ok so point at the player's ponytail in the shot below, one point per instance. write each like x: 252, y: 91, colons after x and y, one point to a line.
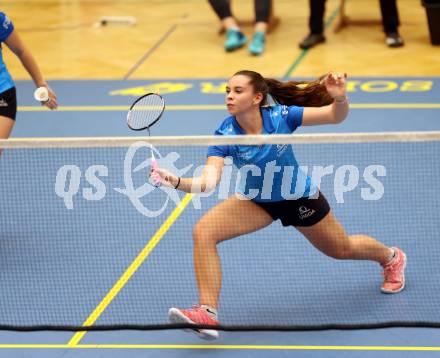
x: 303, y: 93
x: 291, y: 93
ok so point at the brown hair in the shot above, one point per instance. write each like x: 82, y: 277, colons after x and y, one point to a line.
x: 290, y: 93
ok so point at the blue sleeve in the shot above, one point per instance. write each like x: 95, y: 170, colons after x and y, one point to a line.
x: 6, y: 27
x: 218, y: 150
x: 294, y: 117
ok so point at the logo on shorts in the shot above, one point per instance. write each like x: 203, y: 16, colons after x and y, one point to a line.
x: 3, y: 103
x: 305, y: 212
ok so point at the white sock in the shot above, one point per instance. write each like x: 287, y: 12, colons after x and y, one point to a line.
x: 392, y: 255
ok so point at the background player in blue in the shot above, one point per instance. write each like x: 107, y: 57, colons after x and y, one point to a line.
x: 8, y: 99
x: 320, y: 102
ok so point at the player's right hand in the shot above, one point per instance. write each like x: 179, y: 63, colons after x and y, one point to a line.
x: 164, y: 177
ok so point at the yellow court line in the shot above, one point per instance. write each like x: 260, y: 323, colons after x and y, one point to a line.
x: 209, y: 107
x: 395, y: 105
x: 202, y: 346
x: 131, y: 269
x: 120, y: 108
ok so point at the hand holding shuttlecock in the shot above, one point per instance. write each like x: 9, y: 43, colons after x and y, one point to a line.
x: 46, y: 96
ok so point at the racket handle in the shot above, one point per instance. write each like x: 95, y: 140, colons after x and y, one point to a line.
x: 154, y: 163
x: 155, y: 166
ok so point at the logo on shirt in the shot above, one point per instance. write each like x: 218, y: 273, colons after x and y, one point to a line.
x: 285, y: 111
x: 6, y: 23
x: 305, y: 212
x: 3, y: 103
x: 245, y: 155
x: 281, y: 149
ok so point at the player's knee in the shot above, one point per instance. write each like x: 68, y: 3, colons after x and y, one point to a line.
x: 202, y: 235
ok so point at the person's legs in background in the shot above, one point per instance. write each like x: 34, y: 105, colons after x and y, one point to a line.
x: 390, y: 21
x: 262, y: 13
x: 234, y: 37
x: 316, y: 25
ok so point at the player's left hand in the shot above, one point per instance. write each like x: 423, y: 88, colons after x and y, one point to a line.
x: 52, y: 102
x: 336, y: 85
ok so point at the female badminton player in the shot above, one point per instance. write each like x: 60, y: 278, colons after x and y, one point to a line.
x: 322, y: 101
x: 8, y: 99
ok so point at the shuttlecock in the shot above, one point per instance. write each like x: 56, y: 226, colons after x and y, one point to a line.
x: 41, y: 94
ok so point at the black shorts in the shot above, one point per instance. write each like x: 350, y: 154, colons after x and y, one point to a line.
x: 299, y: 212
x: 8, y: 103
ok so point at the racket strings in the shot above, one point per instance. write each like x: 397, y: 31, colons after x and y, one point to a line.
x: 145, y: 112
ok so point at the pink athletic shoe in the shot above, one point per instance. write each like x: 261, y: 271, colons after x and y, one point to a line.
x: 195, y: 315
x: 394, y: 273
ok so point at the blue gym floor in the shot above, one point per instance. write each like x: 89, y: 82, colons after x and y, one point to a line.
x: 98, y: 108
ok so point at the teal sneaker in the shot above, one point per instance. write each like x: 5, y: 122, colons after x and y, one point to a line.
x: 257, y: 45
x: 234, y: 40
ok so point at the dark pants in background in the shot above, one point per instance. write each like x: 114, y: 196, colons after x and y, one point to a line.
x: 388, y: 8
x: 223, y: 9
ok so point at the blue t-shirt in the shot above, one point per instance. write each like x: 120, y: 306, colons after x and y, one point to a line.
x: 269, y: 172
x: 6, y: 28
